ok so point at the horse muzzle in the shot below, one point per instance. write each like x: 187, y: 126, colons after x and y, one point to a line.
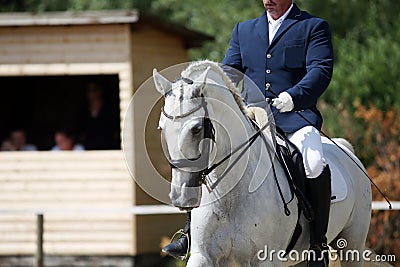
x: 186, y: 195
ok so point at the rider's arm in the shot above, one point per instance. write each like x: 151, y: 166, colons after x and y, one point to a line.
x: 319, y: 64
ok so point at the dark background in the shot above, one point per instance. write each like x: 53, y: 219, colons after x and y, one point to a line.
x: 42, y: 105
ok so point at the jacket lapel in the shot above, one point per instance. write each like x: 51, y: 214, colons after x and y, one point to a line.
x: 262, y: 29
x: 291, y: 19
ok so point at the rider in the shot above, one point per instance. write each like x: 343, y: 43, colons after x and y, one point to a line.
x: 288, y: 54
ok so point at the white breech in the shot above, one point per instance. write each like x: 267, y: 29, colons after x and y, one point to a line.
x: 308, y: 141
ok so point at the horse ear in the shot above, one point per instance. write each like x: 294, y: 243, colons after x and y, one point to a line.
x: 162, y: 83
x: 203, y: 77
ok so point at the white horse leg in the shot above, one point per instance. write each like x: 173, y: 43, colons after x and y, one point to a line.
x: 274, y: 263
x: 353, y: 236
x: 350, y: 246
x: 198, y: 260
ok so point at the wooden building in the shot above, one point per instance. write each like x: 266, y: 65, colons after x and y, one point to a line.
x: 45, y: 61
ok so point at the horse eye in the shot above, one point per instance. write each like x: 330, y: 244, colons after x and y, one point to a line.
x: 196, y: 129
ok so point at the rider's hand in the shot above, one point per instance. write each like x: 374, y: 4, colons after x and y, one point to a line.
x: 283, y: 103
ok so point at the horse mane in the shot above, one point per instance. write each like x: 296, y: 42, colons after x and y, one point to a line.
x: 202, y: 65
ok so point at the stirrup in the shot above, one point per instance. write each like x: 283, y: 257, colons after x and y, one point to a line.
x: 186, y: 256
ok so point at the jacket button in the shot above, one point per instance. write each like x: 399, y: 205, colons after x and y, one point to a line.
x: 269, y: 56
x: 268, y: 71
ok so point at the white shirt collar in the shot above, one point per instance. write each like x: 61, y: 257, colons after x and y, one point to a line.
x: 282, y: 18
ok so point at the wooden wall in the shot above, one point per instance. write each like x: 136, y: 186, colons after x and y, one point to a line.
x: 64, y: 44
x: 152, y: 48
x: 60, y: 182
x: 87, y: 179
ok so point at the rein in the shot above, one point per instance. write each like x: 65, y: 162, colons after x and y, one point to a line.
x: 344, y: 151
x: 209, y: 135
x: 248, y: 142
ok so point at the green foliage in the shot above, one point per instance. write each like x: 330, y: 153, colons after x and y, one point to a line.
x: 74, y: 5
x: 216, y: 18
x: 342, y: 15
x: 367, y: 64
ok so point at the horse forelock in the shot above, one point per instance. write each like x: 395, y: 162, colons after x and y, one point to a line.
x: 195, y: 69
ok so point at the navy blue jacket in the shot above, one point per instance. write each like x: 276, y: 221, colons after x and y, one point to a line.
x: 298, y: 61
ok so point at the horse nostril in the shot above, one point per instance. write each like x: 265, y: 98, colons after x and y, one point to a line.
x: 196, y: 129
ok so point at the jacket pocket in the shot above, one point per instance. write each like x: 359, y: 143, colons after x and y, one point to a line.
x: 295, y: 54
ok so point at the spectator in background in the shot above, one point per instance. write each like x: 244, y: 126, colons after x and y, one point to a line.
x: 65, y: 141
x: 97, y: 123
x: 17, y: 142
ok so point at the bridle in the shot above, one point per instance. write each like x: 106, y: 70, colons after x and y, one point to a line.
x: 209, y: 136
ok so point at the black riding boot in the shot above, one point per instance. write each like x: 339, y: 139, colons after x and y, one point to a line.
x: 179, y: 248
x: 319, y: 194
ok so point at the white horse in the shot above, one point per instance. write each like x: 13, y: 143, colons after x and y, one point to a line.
x: 235, y: 223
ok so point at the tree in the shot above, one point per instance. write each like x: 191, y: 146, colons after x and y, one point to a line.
x: 367, y: 63
x: 216, y: 18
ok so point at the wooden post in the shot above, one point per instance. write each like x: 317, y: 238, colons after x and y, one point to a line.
x: 39, y: 241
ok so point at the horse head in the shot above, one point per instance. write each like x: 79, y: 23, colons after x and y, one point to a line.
x: 182, y: 132
x: 189, y: 125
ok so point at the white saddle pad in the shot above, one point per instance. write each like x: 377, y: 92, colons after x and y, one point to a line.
x: 338, y: 184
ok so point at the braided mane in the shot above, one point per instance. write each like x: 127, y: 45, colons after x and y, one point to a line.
x: 203, y: 65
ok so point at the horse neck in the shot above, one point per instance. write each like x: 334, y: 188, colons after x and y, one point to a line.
x: 239, y: 130
x: 231, y: 116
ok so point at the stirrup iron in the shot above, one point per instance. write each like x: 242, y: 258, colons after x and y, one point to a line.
x: 186, y: 256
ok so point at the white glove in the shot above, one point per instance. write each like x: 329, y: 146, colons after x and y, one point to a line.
x: 284, y: 102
